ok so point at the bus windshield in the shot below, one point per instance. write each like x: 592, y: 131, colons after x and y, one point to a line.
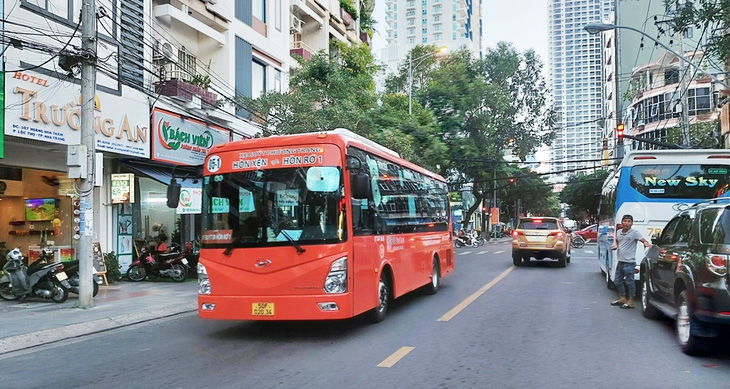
x: 686, y: 181
x: 262, y: 208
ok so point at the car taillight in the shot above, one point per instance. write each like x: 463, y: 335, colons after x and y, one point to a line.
x: 559, y: 234
x: 717, y: 264
x: 517, y: 233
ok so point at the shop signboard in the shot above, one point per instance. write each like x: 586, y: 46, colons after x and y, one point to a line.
x: 48, y: 109
x: 183, y: 141
x: 191, y: 201
x: 122, y: 188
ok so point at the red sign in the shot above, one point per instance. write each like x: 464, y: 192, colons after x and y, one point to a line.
x: 495, y: 216
x: 217, y: 236
x: 273, y: 158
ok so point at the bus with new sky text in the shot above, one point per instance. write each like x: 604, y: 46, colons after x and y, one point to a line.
x: 653, y: 186
x: 318, y: 226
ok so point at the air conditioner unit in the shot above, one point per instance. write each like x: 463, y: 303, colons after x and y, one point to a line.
x: 166, y: 50
x: 295, y: 24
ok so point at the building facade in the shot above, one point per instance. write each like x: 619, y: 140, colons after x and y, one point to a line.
x: 645, y: 84
x: 315, y: 24
x: 170, y: 75
x: 450, y: 23
x: 574, y: 72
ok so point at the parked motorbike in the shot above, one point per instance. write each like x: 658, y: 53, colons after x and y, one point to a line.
x: 174, y: 264
x: 72, y: 271
x: 40, y: 279
x: 465, y: 240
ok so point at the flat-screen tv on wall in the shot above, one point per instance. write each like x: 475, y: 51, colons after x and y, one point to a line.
x: 37, y: 210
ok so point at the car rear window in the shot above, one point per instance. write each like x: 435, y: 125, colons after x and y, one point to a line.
x: 715, y: 226
x: 538, y: 225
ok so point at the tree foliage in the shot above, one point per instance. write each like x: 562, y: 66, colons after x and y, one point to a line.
x: 528, y: 194
x: 582, y: 194
x: 711, y: 15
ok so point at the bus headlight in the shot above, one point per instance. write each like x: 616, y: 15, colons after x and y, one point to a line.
x: 203, y: 281
x: 336, y: 280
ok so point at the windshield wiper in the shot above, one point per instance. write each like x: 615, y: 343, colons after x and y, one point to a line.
x: 232, y: 246
x: 293, y: 242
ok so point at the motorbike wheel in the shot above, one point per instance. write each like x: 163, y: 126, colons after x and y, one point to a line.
x: 60, y: 294
x: 178, y: 273
x: 6, y: 292
x: 136, y: 273
x: 458, y: 243
x: 481, y: 241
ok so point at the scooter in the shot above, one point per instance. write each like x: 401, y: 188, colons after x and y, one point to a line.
x: 72, y: 271
x: 39, y: 279
x: 465, y: 240
x: 173, y: 265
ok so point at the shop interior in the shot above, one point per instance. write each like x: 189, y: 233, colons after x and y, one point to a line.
x: 36, y: 211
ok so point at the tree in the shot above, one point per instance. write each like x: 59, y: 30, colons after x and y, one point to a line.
x: 582, y: 194
x: 710, y: 15
x: 534, y: 195
x: 329, y: 91
x: 482, y: 105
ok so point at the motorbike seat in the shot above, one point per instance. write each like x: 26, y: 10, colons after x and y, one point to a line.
x: 166, y: 256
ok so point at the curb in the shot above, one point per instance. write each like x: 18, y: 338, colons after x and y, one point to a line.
x: 34, y: 339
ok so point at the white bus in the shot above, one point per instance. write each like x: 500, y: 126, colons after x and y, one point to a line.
x: 652, y: 186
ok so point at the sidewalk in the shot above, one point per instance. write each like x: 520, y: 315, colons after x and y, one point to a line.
x: 36, y: 321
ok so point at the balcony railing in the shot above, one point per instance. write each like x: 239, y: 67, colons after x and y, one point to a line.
x: 301, y: 49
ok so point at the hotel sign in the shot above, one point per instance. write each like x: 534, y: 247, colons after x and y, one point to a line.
x: 48, y: 109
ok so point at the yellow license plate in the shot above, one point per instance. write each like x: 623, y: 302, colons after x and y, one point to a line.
x: 262, y: 309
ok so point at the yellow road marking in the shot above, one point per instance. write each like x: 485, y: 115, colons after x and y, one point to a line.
x: 455, y: 310
x: 396, y: 356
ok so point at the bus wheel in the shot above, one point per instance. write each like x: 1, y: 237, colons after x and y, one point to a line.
x: 433, y: 286
x: 378, y: 313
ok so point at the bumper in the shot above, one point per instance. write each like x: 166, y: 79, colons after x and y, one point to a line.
x: 284, y: 307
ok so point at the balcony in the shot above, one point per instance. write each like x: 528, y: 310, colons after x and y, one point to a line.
x: 346, y: 17
x: 167, y: 13
x: 182, y: 90
x: 301, y: 49
x: 365, y: 38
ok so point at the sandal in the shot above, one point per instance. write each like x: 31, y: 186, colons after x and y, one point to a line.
x: 617, y: 303
x: 627, y: 306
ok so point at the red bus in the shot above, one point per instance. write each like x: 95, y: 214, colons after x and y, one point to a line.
x: 317, y: 226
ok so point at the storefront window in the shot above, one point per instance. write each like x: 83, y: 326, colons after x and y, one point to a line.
x: 155, y: 218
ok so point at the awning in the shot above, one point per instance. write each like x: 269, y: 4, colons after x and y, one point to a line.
x: 187, y: 176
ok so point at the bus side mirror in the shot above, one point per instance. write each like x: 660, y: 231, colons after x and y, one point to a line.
x: 173, y: 194
x: 360, y: 186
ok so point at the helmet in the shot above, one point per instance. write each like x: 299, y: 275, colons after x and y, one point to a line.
x: 15, y: 255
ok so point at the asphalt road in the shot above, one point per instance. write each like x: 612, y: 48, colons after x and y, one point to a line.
x: 490, y: 326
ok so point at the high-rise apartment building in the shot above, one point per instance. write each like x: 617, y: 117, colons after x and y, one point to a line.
x: 574, y: 63
x: 450, y: 23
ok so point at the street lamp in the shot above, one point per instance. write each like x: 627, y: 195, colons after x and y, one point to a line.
x: 418, y: 60
x: 595, y: 28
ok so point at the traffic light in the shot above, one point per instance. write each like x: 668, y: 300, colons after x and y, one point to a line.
x: 511, y: 180
x: 605, y: 143
x: 484, y: 209
x: 620, y: 134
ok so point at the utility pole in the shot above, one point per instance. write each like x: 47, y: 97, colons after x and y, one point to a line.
x: 684, y: 119
x: 86, y: 188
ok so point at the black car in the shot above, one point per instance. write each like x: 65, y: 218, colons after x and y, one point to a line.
x: 684, y: 275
